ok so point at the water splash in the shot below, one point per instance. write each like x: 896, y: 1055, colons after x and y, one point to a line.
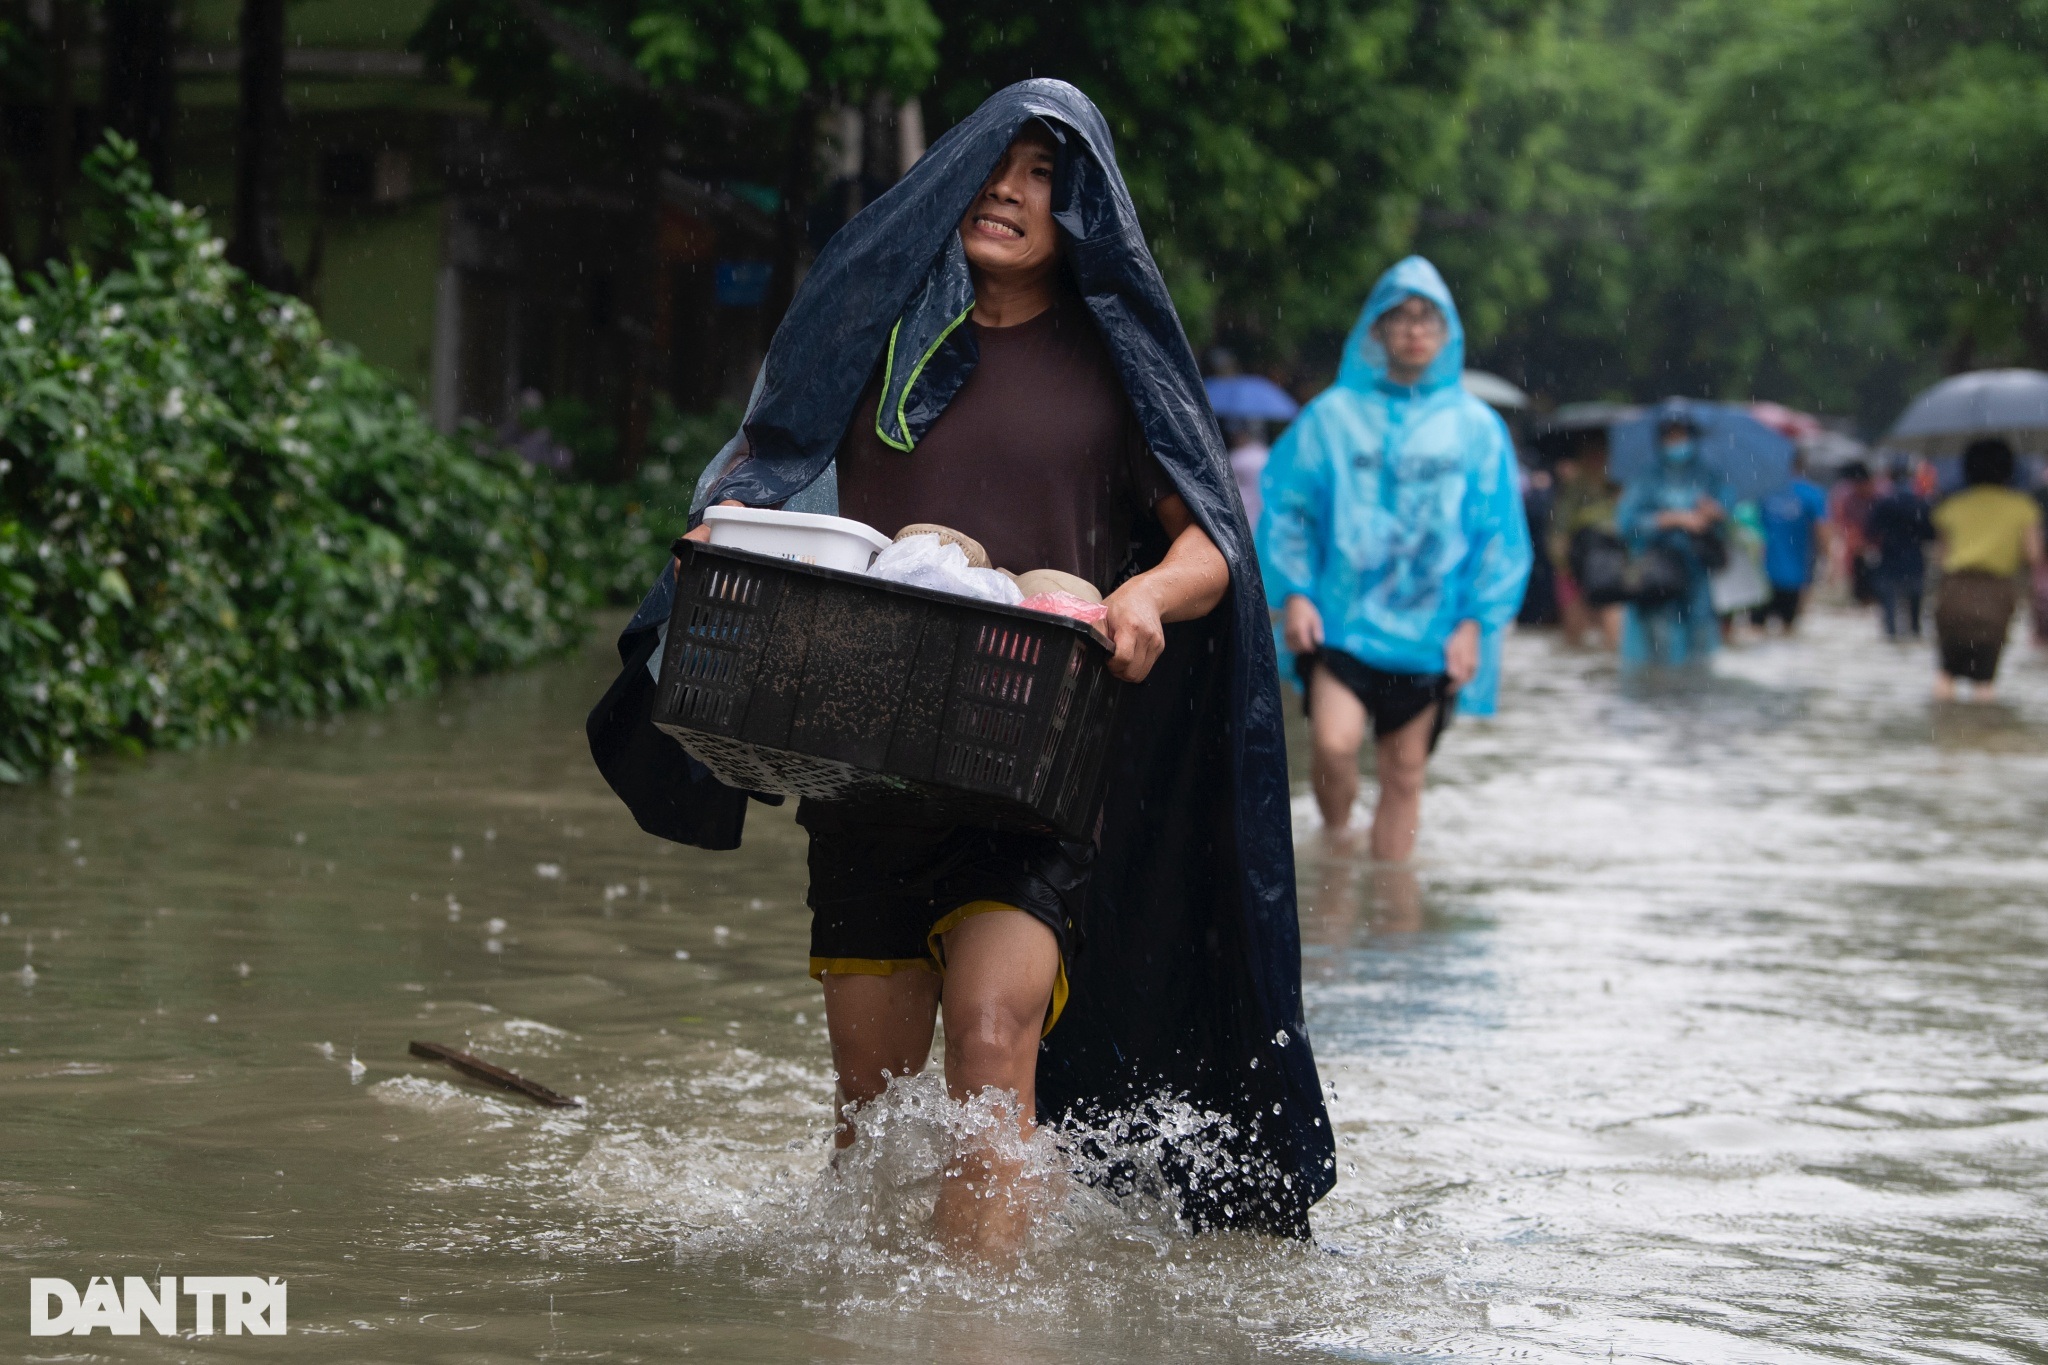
x: 1104, y: 1189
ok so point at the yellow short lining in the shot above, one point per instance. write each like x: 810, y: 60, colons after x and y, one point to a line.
x: 936, y: 942
x: 868, y: 966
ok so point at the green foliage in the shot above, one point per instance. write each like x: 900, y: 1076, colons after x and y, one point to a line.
x: 773, y: 53
x: 1817, y: 200
x: 1590, y: 255
x: 1893, y: 148
x: 1276, y: 149
x: 209, y: 514
x: 625, y: 529
x: 492, y: 53
x: 772, y: 56
x: 578, y: 426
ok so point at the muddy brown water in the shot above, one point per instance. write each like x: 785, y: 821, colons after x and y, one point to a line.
x: 1710, y: 1028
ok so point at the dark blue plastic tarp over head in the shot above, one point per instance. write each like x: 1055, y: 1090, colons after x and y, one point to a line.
x: 1189, y: 983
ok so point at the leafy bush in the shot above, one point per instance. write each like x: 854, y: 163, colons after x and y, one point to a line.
x: 210, y: 514
x: 632, y: 525
x: 628, y: 526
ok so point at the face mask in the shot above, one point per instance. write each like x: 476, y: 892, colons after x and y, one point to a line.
x: 1678, y: 452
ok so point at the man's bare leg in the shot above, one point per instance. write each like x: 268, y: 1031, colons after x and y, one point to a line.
x: 1574, y: 619
x: 1610, y: 628
x: 1000, y: 969
x: 1333, y: 911
x: 1402, y: 757
x: 1336, y: 725
x: 1396, y: 899
x: 878, y: 1025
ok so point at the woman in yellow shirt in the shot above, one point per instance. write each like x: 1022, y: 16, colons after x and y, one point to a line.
x: 1988, y: 533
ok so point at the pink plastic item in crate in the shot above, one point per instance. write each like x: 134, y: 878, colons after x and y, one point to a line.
x: 1066, y: 604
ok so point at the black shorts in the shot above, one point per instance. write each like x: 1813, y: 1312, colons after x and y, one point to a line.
x: 883, y: 895
x: 1391, y: 699
x: 1783, y: 603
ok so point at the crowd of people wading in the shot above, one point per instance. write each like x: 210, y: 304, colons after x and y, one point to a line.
x: 986, y: 358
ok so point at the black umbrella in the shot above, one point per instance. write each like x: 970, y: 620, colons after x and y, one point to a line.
x: 2008, y: 403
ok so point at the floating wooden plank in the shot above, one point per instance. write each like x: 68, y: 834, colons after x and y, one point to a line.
x: 492, y: 1075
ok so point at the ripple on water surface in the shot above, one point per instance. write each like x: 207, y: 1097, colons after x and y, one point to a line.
x: 1706, y: 1028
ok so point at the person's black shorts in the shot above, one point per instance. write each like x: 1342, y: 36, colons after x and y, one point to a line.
x: 882, y: 895
x: 1783, y: 603
x: 1391, y: 699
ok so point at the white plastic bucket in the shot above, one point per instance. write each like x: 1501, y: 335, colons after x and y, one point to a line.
x: 806, y: 537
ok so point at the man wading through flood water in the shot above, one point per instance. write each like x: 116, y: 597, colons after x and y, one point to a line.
x: 989, y: 347
x: 1394, y: 542
x: 1040, y: 459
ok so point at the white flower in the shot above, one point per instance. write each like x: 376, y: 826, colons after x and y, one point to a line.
x: 174, y: 405
x: 24, y: 324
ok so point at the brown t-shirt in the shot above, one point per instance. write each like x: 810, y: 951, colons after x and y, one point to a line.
x: 1039, y: 456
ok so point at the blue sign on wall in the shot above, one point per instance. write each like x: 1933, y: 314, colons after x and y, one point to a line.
x: 742, y: 284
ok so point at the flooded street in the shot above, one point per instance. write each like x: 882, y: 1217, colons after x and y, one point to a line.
x: 1709, y: 1028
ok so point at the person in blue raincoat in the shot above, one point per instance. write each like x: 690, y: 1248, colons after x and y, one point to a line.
x: 1393, y: 541
x: 1669, y: 516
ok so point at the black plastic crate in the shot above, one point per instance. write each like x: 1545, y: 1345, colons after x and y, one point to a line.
x: 785, y: 677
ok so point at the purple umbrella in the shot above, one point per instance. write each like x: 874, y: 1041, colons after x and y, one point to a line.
x: 1251, y: 398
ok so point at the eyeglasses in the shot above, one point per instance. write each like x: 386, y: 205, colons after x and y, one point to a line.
x: 1411, y: 322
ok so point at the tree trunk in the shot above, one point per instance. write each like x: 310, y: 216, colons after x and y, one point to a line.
x: 60, y: 154
x: 10, y: 243
x: 1961, y: 352
x: 799, y: 170
x: 140, y: 99
x: 258, y: 242
x: 2033, y: 329
x: 640, y: 305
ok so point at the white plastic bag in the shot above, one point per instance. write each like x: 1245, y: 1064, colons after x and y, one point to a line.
x: 927, y: 562
x: 1739, y: 586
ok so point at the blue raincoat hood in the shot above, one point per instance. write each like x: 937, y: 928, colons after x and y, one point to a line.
x: 1365, y: 360
x: 1189, y: 983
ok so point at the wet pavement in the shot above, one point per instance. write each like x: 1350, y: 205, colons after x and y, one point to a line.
x: 1709, y: 1027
